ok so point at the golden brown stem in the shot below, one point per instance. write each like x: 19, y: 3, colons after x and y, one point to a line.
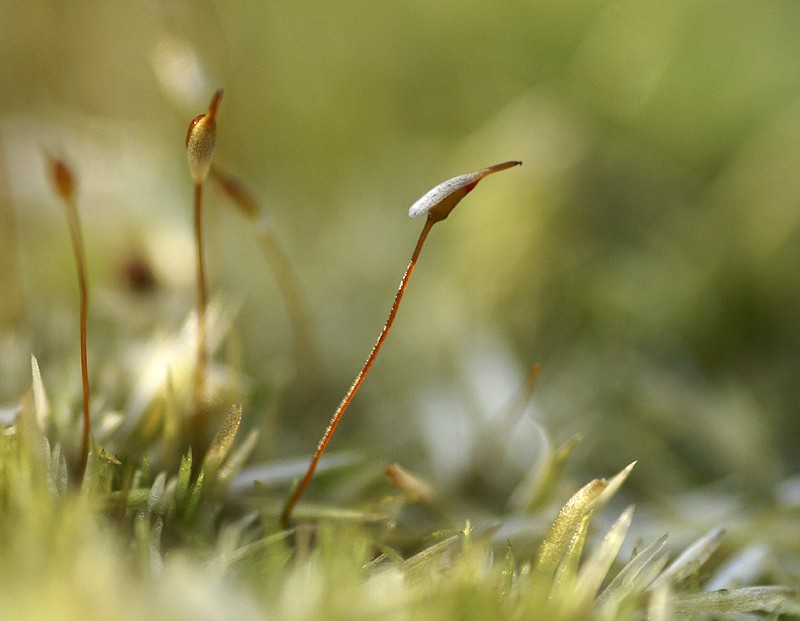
x: 64, y: 184
x: 202, y: 302
x: 77, y: 246
x: 337, y: 415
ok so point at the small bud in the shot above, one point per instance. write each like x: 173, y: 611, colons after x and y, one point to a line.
x: 62, y: 178
x: 441, y: 200
x: 137, y: 274
x: 412, y: 487
x: 201, y: 138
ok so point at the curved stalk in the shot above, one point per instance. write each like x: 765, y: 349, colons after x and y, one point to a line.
x: 437, y: 204
x: 64, y: 183
x: 345, y: 403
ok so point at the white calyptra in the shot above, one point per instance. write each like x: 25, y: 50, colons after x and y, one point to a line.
x: 440, y: 201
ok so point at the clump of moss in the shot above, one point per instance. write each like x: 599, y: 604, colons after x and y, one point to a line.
x: 159, y: 525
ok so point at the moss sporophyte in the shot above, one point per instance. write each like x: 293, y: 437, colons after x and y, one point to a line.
x: 64, y: 183
x: 436, y: 204
x: 201, y: 140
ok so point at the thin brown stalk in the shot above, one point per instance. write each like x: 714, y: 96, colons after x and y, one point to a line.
x: 202, y: 302
x: 64, y: 183
x: 337, y: 415
x: 77, y: 244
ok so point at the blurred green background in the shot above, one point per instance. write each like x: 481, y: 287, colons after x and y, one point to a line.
x: 646, y: 252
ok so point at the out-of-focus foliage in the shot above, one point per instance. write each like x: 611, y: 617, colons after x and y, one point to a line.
x: 645, y: 254
x: 134, y: 544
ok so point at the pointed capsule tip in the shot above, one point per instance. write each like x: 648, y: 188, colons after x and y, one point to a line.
x: 212, y: 107
x: 509, y: 164
x: 502, y: 166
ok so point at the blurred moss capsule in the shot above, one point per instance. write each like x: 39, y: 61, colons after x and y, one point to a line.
x: 62, y: 178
